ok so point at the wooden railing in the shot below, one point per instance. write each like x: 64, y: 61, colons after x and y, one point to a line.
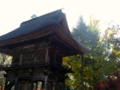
x: 22, y: 64
x: 31, y: 64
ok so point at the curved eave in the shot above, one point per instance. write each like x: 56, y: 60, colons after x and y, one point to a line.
x: 67, y: 38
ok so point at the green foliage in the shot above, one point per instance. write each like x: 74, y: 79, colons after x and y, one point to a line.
x: 114, y: 43
x: 96, y: 63
x: 2, y: 79
x: 4, y: 59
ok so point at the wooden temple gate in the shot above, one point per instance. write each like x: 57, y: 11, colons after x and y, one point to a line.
x: 37, y: 48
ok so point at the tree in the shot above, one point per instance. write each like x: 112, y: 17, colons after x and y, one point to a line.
x: 97, y: 65
x: 112, y: 81
x: 4, y: 60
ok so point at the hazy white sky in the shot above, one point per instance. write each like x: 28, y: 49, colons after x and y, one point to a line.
x: 13, y: 12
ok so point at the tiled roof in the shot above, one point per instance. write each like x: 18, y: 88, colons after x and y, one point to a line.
x: 35, y: 24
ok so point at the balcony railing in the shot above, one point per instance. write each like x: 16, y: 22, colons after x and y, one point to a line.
x: 31, y: 64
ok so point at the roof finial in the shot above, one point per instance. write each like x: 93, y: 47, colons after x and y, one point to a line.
x: 33, y: 16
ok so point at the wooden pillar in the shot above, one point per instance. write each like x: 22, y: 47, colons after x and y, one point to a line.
x: 26, y: 86
x: 82, y: 79
x: 46, y: 82
x: 16, y: 83
x: 36, y: 86
x: 42, y: 87
x: 55, y: 85
x: 52, y: 86
x: 55, y: 56
x: 63, y: 86
x: 6, y: 83
x: 47, y: 52
x: 32, y: 84
x: 20, y: 87
x: 21, y: 59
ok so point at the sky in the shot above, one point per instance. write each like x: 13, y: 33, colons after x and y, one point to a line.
x: 13, y: 12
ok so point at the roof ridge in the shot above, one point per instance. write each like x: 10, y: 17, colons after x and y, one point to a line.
x: 40, y: 17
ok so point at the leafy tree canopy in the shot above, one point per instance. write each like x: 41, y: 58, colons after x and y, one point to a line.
x: 96, y: 63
